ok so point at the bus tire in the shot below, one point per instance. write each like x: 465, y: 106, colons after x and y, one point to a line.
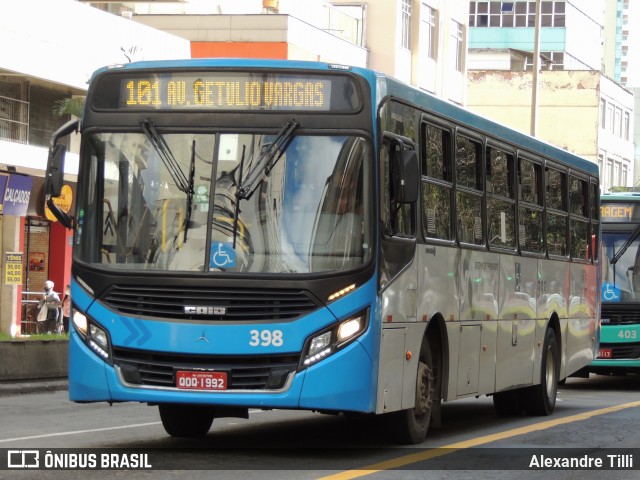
x: 410, y: 426
x: 541, y: 399
x: 189, y: 421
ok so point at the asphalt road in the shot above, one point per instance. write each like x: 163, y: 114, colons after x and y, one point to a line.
x: 591, y: 415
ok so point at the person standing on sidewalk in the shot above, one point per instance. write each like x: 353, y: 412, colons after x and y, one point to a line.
x: 66, y: 309
x: 50, y: 301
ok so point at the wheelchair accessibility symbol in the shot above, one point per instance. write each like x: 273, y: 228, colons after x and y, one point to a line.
x: 610, y: 293
x: 222, y: 255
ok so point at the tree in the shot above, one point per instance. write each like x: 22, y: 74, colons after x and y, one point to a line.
x: 73, y: 105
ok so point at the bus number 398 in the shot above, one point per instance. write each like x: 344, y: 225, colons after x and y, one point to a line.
x: 266, y: 338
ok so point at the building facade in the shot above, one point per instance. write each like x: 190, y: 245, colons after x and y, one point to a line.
x: 422, y: 42
x: 579, y: 108
x: 44, y: 62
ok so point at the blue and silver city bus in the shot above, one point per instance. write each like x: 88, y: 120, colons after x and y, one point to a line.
x: 298, y: 235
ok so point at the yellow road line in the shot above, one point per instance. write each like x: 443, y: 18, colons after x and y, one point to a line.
x: 474, y: 442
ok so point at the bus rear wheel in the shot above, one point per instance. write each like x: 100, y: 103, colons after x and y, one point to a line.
x: 410, y: 426
x: 541, y: 399
x: 189, y: 421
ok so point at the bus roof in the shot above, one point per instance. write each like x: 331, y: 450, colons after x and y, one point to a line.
x: 388, y: 86
x: 620, y: 197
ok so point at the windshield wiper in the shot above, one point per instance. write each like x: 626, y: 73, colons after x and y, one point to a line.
x: 266, y: 161
x: 190, y: 192
x: 625, y: 246
x: 162, y: 149
x: 173, y: 167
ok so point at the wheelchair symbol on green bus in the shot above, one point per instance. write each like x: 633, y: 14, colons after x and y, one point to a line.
x: 610, y: 293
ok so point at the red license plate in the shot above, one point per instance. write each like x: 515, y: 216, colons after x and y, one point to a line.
x: 201, y: 380
x: 605, y: 353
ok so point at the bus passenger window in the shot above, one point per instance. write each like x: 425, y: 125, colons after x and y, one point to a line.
x: 531, y: 238
x: 556, y: 190
x: 579, y: 222
x: 501, y: 207
x: 397, y: 218
x: 595, y: 226
x: 436, y: 184
x: 469, y: 191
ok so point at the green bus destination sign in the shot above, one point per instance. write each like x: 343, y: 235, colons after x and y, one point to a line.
x: 234, y: 91
x: 620, y: 212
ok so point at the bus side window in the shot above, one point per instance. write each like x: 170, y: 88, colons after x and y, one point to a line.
x: 556, y: 190
x: 579, y: 221
x: 397, y: 219
x: 595, y: 224
x: 530, y: 210
x: 501, y: 206
x: 436, y: 183
x: 469, y: 191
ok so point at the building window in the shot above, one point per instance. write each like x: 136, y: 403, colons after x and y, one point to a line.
x: 406, y: 24
x: 625, y: 126
x: 457, y: 37
x: 603, y: 114
x: 617, y: 122
x: 14, y: 110
x: 516, y: 14
x: 428, y: 31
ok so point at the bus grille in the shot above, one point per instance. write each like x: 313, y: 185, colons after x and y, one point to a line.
x: 214, y: 304
x: 624, y: 351
x: 627, y: 316
x: 243, y: 372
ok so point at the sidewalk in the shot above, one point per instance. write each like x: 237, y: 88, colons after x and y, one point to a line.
x: 20, y: 387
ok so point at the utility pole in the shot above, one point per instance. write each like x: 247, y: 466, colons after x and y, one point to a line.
x: 536, y: 70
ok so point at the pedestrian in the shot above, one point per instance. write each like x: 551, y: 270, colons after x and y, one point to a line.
x: 51, y: 302
x: 66, y: 309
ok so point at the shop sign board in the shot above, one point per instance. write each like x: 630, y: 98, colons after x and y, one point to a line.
x: 16, y: 195
x: 63, y: 202
x: 3, y: 185
x: 13, y: 268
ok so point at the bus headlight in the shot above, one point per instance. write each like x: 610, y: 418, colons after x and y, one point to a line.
x: 332, y: 339
x: 92, y: 334
x: 80, y: 322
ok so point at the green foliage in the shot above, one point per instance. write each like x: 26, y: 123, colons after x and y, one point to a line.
x: 4, y: 337
x: 69, y: 106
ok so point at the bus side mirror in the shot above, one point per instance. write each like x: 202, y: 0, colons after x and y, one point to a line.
x: 406, y: 176
x: 54, y: 176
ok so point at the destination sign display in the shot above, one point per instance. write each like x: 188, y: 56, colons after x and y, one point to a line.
x: 620, y: 212
x: 226, y: 91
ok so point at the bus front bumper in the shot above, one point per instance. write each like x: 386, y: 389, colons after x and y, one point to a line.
x: 341, y: 382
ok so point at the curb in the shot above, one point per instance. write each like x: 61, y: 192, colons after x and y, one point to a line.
x: 33, y: 386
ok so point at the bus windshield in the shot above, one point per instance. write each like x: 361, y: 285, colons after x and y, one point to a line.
x: 625, y: 273
x: 158, y: 201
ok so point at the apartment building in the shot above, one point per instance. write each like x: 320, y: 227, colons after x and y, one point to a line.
x: 579, y: 108
x: 423, y: 43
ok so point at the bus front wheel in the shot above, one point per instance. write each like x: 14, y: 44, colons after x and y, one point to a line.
x: 410, y: 426
x: 186, y: 420
x: 541, y: 399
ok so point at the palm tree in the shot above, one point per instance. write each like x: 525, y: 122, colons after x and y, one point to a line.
x: 73, y: 105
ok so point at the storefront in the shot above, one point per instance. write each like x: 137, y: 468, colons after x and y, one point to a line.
x: 34, y: 247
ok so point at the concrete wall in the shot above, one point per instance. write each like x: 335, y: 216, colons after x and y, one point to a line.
x: 568, y: 105
x: 33, y: 359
